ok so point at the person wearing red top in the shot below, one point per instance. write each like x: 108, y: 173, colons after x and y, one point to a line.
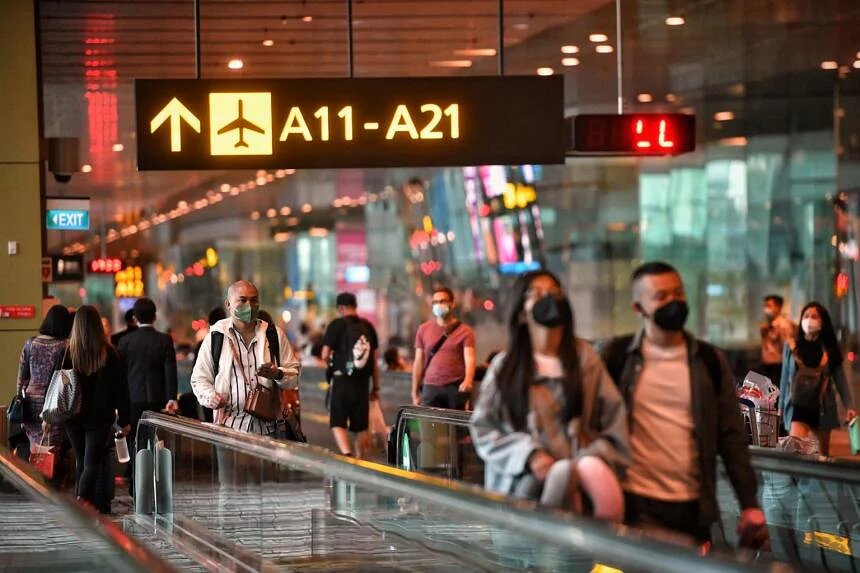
x: 444, y: 357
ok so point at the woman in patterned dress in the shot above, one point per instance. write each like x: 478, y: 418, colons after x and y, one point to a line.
x: 40, y: 356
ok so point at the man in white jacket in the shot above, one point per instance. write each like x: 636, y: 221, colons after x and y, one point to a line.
x: 244, y: 361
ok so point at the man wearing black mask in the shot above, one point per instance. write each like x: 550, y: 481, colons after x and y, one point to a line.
x: 680, y: 396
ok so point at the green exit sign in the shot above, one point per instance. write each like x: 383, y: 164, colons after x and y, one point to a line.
x: 67, y: 220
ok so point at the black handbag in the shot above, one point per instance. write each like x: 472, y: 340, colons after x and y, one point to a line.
x: 19, y: 409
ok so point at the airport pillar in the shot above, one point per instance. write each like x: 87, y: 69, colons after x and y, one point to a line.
x: 20, y: 186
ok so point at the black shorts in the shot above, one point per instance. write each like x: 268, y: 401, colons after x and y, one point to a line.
x: 350, y: 403
x: 809, y: 416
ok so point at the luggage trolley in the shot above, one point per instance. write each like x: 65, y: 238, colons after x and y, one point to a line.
x: 762, y: 425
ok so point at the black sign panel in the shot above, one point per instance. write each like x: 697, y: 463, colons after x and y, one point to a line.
x: 67, y: 268
x: 332, y: 123
x: 634, y: 134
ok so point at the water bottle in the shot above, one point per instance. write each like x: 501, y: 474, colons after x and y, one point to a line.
x: 121, y: 448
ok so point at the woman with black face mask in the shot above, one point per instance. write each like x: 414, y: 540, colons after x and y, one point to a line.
x: 812, y: 366
x: 550, y: 424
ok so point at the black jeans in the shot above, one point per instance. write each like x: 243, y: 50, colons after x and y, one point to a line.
x: 682, y: 517
x: 447, y: 396
x: 90, y: 446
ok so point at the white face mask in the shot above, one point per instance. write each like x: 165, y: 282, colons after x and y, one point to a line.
x: 811, y: 325
x: 441, y: 310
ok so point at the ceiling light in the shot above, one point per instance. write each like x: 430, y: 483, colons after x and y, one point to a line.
x: 675, y: 21
x: 268, y: 43
x: 118, y: 147
x: 829, y: 65
x: 86, y: 168
x: 724, y: 116
x: 235, y: 64
x: 598, y: 38
x: 545, y: 71
x: 570, y: 49
x: 450, y: 63
x: 645, y: 98
x: 604, y: 49
x: 476, y: 52
x: 857, y: 64
x: 570, y: 61
x: 307, y: 19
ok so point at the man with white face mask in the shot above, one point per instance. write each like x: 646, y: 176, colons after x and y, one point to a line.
x: 444, y: 357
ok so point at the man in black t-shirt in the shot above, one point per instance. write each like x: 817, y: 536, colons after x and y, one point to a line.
x: 350, y: 346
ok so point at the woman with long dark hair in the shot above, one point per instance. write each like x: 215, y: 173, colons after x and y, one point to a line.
x: 40, y: 356
x: 812, y: 365
x: 549, y: 422
x: 104, y: 396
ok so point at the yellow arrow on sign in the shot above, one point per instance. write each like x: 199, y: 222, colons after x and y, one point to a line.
x: 175, y: 111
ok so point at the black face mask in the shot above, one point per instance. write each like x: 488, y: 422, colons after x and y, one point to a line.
x: 672, y: 316
x: 550, y: 312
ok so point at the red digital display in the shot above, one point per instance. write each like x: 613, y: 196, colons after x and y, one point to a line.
x: 634, y: 134
x: 106, y: 266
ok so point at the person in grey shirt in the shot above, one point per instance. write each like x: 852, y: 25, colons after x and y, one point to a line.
x: 549, y: 422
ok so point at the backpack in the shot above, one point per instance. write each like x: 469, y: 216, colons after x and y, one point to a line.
x: 615, y: 358
x: 357, y: 352
x: 809, y: 382
x: 271, y: 338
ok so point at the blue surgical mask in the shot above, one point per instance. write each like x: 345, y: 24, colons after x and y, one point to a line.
x: 245, y: 313
x: 441, y: 310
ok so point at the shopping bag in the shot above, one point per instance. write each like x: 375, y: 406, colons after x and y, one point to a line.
x: 854, y: 435
x: 42, y: 457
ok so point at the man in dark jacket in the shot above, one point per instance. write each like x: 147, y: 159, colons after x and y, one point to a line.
x: 150, y: 361
x: 683, y: 411
x: 130, y: 326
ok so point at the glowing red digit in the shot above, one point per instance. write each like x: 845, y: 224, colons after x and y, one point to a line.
x: 662, y: 140
x: 641, y: 143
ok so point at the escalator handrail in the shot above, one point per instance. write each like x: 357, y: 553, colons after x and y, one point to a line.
x: 765, y: 459
x: 627, y: 547
x: 132, y: 555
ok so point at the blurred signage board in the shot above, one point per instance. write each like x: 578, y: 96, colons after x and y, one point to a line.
x: 67, y: 214
x: 47, y: 270
x: 338, y: 123
x: 17, y: 311
x: 67, y: 268
x: 634, y: 134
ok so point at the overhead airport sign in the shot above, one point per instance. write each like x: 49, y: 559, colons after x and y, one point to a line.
x: 333, y: 123
x: 67, y: 214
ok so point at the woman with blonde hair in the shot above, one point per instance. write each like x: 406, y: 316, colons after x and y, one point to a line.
x: 104, y: 396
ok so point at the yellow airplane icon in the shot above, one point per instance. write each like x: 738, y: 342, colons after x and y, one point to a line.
x: 241, y: 124
x: 249, y: 114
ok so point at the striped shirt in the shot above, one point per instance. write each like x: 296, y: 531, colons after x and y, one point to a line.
x: 230, y: 381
